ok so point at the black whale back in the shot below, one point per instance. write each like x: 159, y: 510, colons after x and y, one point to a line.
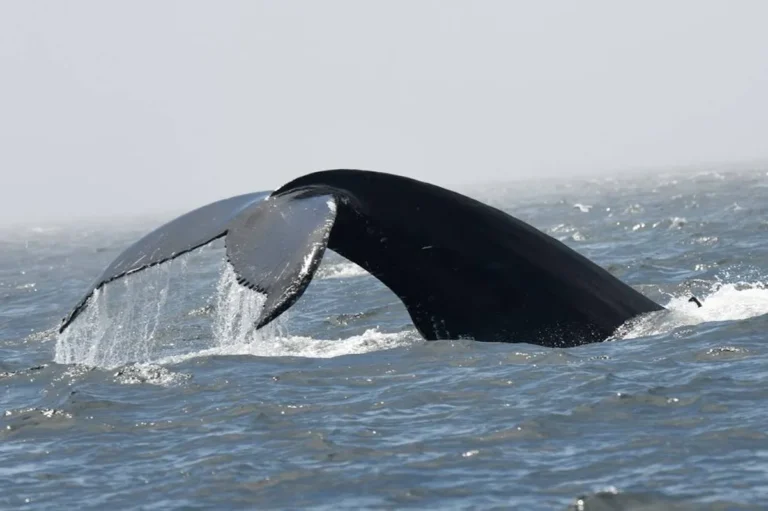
x: 465, y: 269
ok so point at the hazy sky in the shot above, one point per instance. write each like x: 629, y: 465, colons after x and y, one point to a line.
x: 115, y: 108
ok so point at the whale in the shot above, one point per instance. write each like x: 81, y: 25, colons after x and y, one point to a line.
x: 462, y: 268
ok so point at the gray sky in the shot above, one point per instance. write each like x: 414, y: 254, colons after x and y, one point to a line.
x: 119, y: 108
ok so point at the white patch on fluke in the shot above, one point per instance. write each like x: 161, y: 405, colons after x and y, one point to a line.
x: 307, y: 264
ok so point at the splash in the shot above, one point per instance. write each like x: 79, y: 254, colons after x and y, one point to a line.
x: 724, y: 302
x: 128, y: 320
x: 132, y: 321
x: 120, y: 323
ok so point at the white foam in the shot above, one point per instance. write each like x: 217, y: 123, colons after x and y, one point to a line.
x: 584, y: 208
x: 725, y: 302
x: 149, y: 373
x: 672, y: 223
x: 340, y: 270
x: 307, y: 347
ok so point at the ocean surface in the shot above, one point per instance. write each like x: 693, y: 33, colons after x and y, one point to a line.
x: 161, y: 396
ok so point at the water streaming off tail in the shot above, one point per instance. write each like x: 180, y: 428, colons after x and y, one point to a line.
x: 145, y: 318
x: 120, y: 323
x: 237, y: 310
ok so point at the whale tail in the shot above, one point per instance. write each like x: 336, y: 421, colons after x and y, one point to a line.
x: 463, y: 269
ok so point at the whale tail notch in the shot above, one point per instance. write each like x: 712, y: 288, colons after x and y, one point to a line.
x: 276, y: 248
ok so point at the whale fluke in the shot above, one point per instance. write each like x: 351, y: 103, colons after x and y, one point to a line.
x: 463, y: 269
x: 179, y: 236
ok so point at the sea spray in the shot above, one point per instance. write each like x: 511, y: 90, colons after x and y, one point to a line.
x: 723, y: 302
